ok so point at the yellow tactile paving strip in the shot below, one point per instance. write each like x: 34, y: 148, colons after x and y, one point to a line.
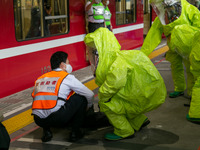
x: 23, y: 119
x: 19, y: 121
x: 91, y: 85
x: 158, y: 52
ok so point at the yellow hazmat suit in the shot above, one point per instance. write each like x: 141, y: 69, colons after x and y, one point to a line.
x: 130, y: 85
x: 180, y: 37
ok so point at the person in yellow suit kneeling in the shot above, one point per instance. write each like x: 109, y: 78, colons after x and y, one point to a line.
x: 130, y: 85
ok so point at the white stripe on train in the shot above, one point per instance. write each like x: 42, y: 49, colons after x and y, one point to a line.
x: 25, y: 49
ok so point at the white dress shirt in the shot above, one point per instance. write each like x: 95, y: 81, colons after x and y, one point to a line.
x: 68, y: 84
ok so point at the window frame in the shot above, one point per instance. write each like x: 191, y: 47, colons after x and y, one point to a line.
x: 125, y: 12
x: 42, y: 19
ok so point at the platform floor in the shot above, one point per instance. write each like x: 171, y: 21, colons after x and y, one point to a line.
x: 168, y: 130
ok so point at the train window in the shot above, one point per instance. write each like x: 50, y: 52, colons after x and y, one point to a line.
x: 125, y: 11
x: 40, y: 18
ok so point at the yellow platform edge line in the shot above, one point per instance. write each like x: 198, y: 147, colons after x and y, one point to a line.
x: 158, y: 52
x: 23, y: 119
x: 19, y: 121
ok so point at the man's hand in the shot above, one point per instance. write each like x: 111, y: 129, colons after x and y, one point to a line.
x: 49, y: 11
x: 90, y: 5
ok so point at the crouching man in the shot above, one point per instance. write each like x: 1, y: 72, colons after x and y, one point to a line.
x: 60, y: 99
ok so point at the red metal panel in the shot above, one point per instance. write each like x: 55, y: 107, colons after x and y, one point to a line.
x: 130, y: 40
x: 7, y: 24
x: 140, y: 11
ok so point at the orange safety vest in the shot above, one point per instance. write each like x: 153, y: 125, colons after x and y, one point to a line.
x: 45, y: 93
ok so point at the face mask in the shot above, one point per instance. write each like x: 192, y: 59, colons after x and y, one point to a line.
x: 68, y: 68
x: 97, y: 1
x: 107, y: 2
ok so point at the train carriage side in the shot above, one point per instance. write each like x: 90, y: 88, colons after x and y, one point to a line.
x: 127, y: 17
x: 26, y: 45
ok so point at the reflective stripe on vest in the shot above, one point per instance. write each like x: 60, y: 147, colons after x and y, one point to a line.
x: 107, y: 16
x: 98, y: 11
x: 45, y: 93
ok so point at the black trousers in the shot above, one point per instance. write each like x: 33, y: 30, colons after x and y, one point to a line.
x: 93, y: 26
x: 109, y: 27
x: 73, y: 112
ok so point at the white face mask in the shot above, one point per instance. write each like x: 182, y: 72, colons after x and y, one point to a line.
x: 97, y: 1
x: 68, y: 68
x: 107, y: 3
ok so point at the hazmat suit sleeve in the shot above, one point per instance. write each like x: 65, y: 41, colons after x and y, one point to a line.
x: 192, y: 13
x: 115, y: 80
x: 153, y: 37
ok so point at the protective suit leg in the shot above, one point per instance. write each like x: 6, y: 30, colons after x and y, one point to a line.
x: 194, y: 111
x: 195, y: 57
x: 190, y: 77
x: 182, y: 38
x: 120, y: 123
x: 137, y: 122
x: 177, y: 70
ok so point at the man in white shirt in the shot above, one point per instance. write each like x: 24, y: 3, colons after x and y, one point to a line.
x: 59, y: 99
x: 95, y: 12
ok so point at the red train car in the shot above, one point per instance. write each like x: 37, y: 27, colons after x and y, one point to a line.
x: 31, y: 30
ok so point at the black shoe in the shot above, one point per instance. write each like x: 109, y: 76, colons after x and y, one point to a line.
x: 47, y: 135
x: 75, y: 136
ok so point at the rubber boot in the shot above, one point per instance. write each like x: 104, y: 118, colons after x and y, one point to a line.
x: 175, y: 94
